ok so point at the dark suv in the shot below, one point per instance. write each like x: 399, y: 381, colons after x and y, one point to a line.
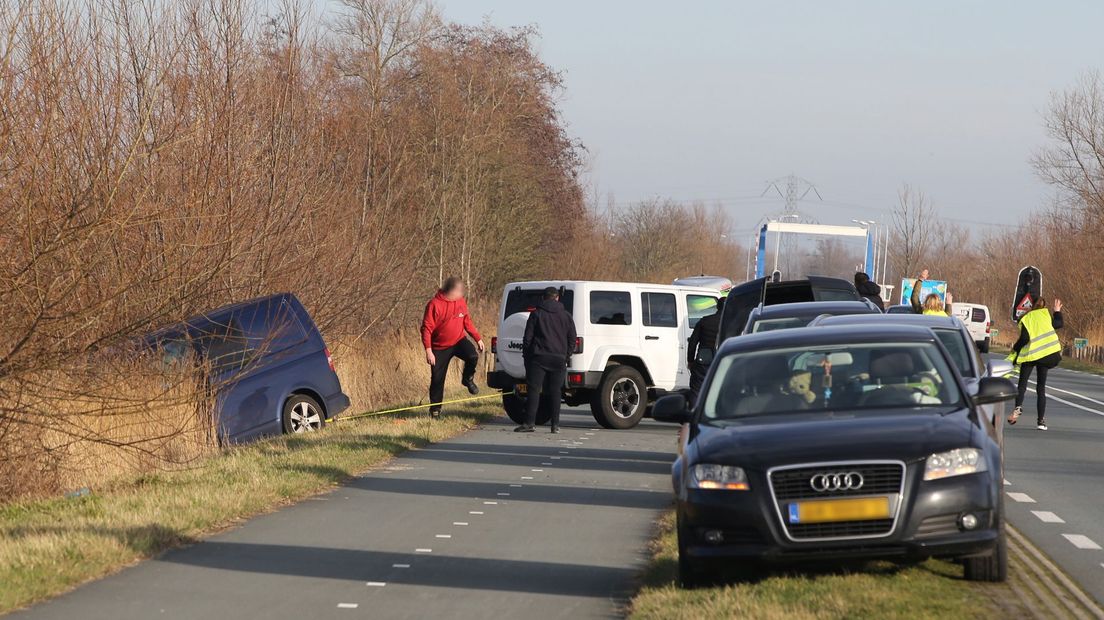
x: 749, y: 295
x: 265, y: 364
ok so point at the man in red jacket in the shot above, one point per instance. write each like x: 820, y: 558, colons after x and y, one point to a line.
x: 445, y: 328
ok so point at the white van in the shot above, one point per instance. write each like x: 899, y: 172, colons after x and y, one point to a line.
x: 977, y: 320
x: 631, y: 345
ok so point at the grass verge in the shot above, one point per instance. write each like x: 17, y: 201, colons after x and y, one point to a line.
x: 932, y: 589
x: 49, y: 546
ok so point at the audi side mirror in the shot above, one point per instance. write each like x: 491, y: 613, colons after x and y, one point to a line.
x: 673, y: 408
x: 994, y: 390
x: 1000, y: 368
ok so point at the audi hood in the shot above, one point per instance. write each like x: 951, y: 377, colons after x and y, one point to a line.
x: 767, y: 441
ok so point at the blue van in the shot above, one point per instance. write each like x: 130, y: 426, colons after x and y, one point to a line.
x: 266, y: 366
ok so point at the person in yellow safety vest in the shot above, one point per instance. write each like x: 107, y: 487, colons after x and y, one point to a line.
x: 934, y: 305
x: 1038, y: 349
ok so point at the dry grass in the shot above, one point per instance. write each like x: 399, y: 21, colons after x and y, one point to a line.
x: 933, y: 589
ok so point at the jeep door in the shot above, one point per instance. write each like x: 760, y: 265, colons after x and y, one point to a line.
x: 664, y: 350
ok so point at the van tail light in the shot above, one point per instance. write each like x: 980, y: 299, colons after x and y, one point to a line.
x: 329, y: 359
x: 578, y: 345
x: 494, y: 344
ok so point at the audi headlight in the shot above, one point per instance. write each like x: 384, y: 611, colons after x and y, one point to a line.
x: 718, y: 477
x: 954, y: 463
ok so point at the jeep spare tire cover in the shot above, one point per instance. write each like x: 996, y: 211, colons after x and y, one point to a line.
x: 510, y: 338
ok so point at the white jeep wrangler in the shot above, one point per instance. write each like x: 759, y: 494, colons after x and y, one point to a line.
x: 631, y: 344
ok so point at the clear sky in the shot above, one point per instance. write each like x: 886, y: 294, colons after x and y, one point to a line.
x: 711, y: 99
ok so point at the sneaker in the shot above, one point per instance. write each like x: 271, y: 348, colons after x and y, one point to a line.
x: 1041, y: 426
x: 434, y: 413
x: 1015, y: 415
x: 524, y: 428
x: 555, y: 430
x: 473, y: 389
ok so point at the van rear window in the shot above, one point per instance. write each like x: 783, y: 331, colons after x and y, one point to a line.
x: 524, y: 300
x: 978, y: 315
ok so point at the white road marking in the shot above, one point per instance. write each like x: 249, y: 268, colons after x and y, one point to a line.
x: 475, y: 512
x: 376, y: 584
x: 503, y: 494
x: 516, y: 486
x: 444, y: 535
x: 538, y: 470
x: 1023, y: 498
x: 459, y: 522
x: 561, y: 452
x: 400, y: 566
x: 590, y: 433
x: 1047, y: 517
x: 423, y: 551
x: 1082, y: 542
x: 347, y: 605
x: 1007, y: 483
x: 490, y: 503
x: 546, y: 463
x: 1072, y: 404
x: 556, y: 458
x: 526, y: 477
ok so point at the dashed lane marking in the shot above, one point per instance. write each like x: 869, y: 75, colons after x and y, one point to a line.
x: 1047, y: 517
x: 490, y: 503
x: 443, y: 536
x: 1022, y: 498
x: 516, y: 486
x: 475, y: 512
x: 526, y: 477
x: 459, y: 522
x: 423, y: 551
x: 556, y: 458
x: 503, y: 494
x: 1082, y: 542
x: 549, y: 463
x: 400, y: 566
x: 347, y: 605
x: 536, y: 470
x: 376, y: 584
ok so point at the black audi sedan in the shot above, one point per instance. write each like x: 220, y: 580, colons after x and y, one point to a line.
x: 838, y: 442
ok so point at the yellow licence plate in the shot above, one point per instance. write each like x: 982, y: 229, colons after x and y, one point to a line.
x: 829, y: 510
x: 521, y: 389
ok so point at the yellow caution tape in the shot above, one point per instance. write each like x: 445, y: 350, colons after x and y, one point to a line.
x: 370, y: 414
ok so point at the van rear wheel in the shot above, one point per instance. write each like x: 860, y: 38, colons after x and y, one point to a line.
x: 621, y: 398
x: 514, y: 406
x: 302, y: 414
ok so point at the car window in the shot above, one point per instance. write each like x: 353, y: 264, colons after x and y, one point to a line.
x: 700, y: 306
x: 271, y: 326
x: 977, y: 315
x: 610, y: 308
x: 834, y: 294
x: 827, y: 378
x: 224, y: 343
x: 956, y: 346
x: 790, y: 322
x: 659, y: 309
x: 526, y: 299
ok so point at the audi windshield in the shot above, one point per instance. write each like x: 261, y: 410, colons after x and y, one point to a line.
x: 859, y: 376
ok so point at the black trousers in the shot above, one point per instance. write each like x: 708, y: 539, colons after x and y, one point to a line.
x: 697, y: 378
x: 464, y: 350
x: 1040, y: 386
x: 541, y: 381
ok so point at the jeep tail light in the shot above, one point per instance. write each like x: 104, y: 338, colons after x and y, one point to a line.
x: 988, y: 326
x: 329, y: 359
x: 578, y: 345
x: 494, y: 344
x: 575, y: 378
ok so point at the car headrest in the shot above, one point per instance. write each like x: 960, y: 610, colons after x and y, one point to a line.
x: 884, y: 365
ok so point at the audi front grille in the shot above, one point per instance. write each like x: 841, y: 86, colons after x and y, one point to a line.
x: 792, y: 483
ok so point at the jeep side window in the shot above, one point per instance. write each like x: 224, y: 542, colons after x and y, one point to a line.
x: 610, y: 308
x: 659, y: 309
x: 699, y: 307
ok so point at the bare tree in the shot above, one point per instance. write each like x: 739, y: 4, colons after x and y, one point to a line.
x: 913, y: 230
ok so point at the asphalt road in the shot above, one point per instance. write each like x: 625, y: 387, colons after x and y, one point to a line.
x: 493, y: 524
x: 1055, y: 478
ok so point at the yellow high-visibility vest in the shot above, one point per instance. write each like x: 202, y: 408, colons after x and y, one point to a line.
x: 935, y: 313
x: 1043, y: 340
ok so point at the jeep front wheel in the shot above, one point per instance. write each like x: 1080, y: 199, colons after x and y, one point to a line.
x: 621, y: 398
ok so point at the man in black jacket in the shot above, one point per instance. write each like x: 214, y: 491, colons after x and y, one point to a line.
x: 702, y: 345
x: 869, y: 290
x: 548, y: 344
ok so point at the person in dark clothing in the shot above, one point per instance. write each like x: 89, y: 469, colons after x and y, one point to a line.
x: 547, y: 347
x: 702, y: 345
x: 914, y: 299
x: 869, y: 290
x: 1037, y: 349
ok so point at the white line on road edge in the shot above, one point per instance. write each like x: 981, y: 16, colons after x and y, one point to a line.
x: 347, y: 605
x: 490, y: 503
x: 537, y: 470
x: 376, y: 584
x: 1072, y: 404
x: 556, y: 458
x: 459, y: 522
x: 475, y: 512
x: 1023, y: 498
x: 516, y: 486
x: 1082, y: 542
x: 423, y: 551
x: 1047, y: 517
x: 400, y: 566
x: 526, y: 477
x: 503, y: 494
x: 444, y: 535
x: 546, y: 463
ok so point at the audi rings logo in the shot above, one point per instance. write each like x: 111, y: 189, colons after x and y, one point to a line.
x: 836, y: 481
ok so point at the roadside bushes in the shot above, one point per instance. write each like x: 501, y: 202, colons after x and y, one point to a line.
x: 160, y: 159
